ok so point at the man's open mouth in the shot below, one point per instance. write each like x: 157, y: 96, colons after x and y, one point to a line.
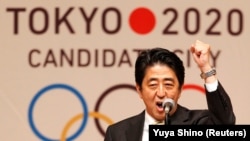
x: 159, y: 104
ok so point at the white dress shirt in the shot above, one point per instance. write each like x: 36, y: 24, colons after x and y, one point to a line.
x: 148, y: 121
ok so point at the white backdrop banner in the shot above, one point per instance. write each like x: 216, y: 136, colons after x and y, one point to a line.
x: 67, y: 67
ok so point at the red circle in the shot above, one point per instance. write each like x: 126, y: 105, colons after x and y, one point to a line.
x: 142, y: 20
x: 195, y: 87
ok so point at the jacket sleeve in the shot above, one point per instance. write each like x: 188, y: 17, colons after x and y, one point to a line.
x: 107, y: 135
x: 220, y: 106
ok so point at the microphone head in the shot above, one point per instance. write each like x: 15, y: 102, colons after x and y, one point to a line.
x: 168, y: 104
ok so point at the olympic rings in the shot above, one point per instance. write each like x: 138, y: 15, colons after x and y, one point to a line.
x: 195, y: 87
x: 79, y: 116
x: 98, y: 103
x: 85, y: 113
x: 56, y: 86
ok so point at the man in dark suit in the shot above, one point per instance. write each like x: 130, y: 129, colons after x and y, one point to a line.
x: 159, y: 75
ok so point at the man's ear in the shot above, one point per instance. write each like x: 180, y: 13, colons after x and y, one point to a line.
x: 180, y: 91
x: 138, y: 89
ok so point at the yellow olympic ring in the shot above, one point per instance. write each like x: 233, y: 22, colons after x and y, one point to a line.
x: 80, y: 116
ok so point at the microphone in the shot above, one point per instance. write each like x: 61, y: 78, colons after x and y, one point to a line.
x: 168, y: 105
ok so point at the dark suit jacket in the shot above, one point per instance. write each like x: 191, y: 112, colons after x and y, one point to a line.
x: 219, y: 111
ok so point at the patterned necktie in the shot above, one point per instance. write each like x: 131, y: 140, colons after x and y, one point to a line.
x: 159, y: 122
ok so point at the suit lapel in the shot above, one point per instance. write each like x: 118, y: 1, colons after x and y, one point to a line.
x: 179, y: 117
x: 136, y: 128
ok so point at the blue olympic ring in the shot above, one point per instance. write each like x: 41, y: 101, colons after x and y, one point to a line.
x: 54, y: 86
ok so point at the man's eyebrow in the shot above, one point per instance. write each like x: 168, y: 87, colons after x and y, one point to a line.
x: 165, y: 79
x: 168, y: 79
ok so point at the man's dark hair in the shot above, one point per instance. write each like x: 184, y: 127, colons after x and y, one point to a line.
x: 156, y: 55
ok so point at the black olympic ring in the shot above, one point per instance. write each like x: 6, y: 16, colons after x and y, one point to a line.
x: 97, y: 106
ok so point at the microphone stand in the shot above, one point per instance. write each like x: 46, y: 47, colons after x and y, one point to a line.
x: 166, y: 119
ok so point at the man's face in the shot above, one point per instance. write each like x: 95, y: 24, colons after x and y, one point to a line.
x: 159, y: 82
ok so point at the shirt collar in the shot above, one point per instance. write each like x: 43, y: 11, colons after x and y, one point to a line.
x: 149, y: 119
